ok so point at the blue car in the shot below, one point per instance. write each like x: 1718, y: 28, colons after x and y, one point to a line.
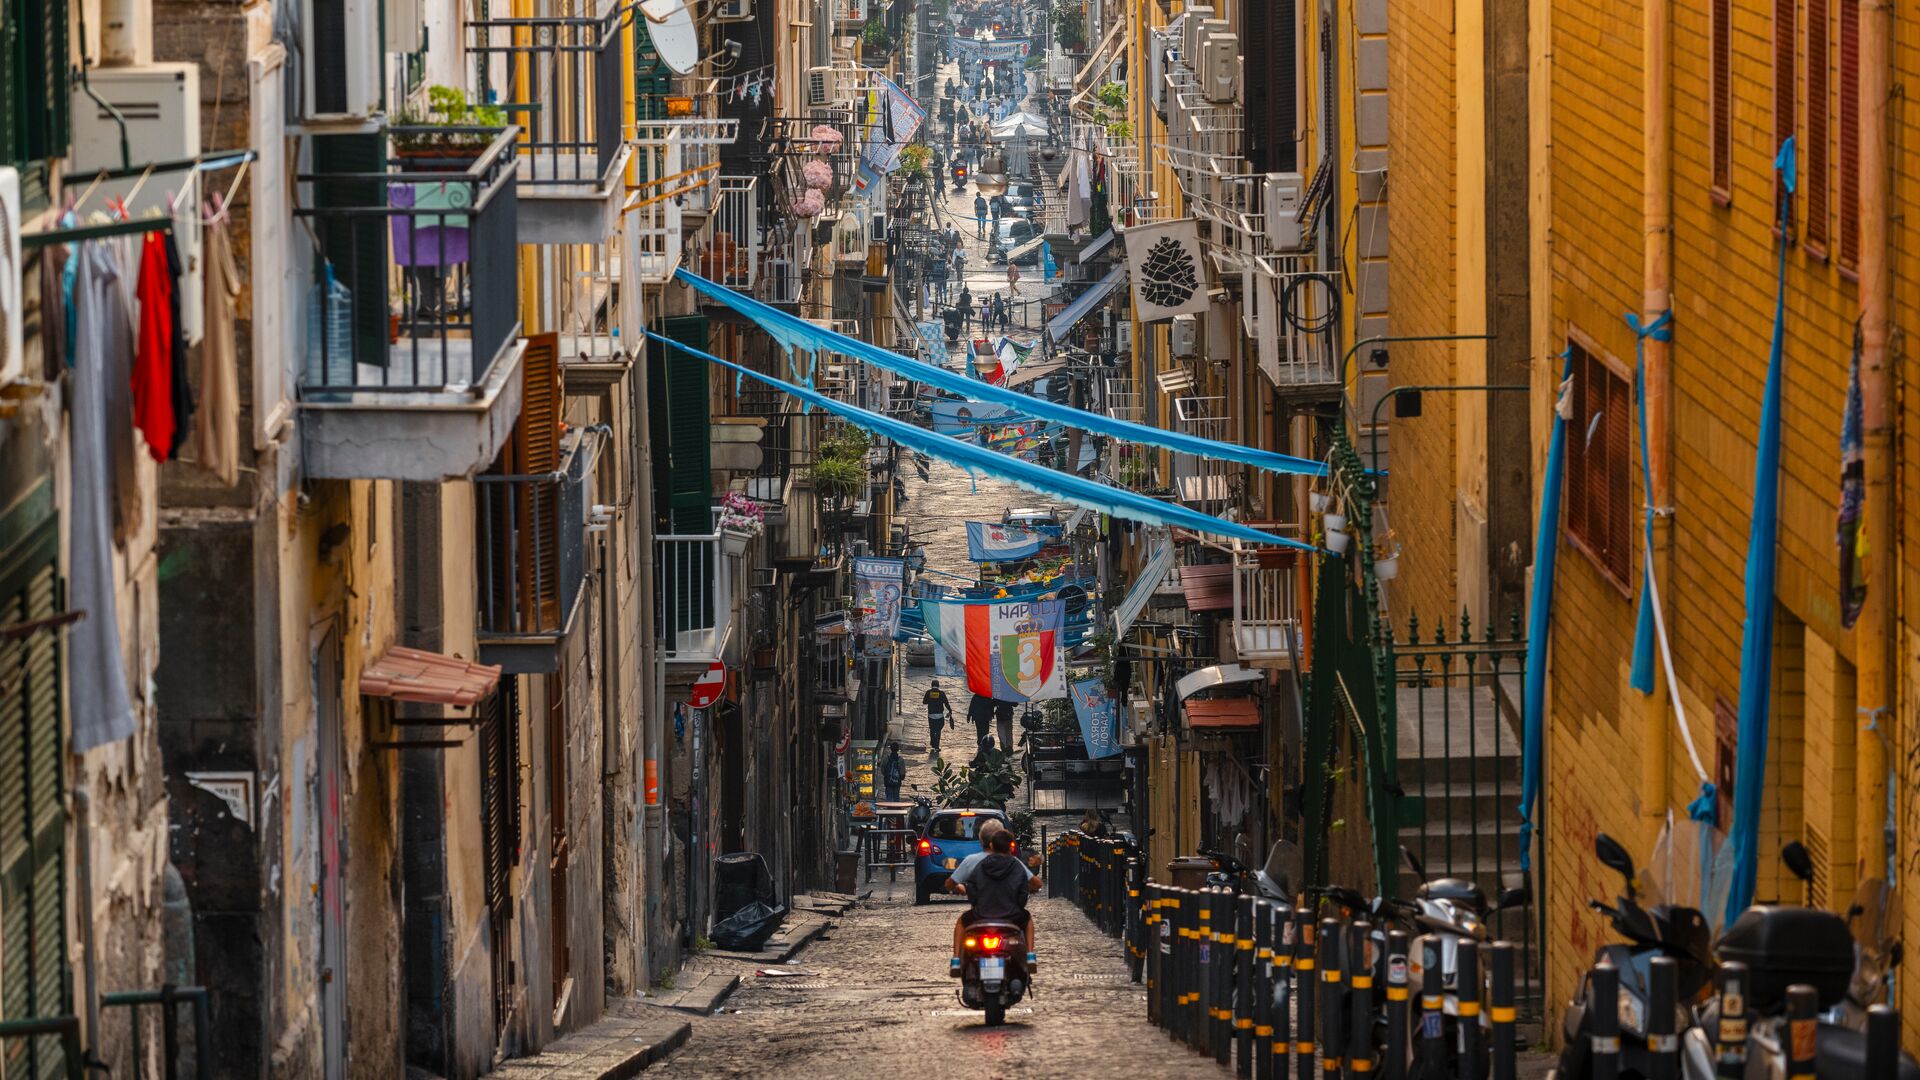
x: 950, y: 836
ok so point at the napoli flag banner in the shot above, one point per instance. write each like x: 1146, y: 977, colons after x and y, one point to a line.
x: 987, y: 542
x: 1010, y: 650
x: 877, y: 585
x: 1094, y: 707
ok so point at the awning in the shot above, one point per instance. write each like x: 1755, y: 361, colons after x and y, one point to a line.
x: 1019, y: 123
x: 1027, y: 248
x: 1028, y: 374
x: 1159, y: 561
x: 416, y: 675
x: 1223, y: 714
x: 1213, y: 678
x: 1062, y: 324
x: 1092, y: 251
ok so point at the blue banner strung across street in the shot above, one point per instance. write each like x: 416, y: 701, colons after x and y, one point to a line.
x: 987, y: 542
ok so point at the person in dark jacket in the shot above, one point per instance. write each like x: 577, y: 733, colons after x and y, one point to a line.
x: 996, y: 884
x: 936, y: 702
x: 893, y: 772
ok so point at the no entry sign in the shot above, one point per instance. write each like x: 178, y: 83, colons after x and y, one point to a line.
x: 709, y: 686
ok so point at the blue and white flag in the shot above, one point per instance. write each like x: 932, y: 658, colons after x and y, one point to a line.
x: 987, y: 542
x: 1095, y: 709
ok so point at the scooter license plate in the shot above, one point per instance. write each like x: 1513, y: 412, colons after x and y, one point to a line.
x: 951, y: 863
x: 993, y: 968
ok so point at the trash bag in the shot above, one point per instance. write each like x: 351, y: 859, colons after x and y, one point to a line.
x: 740, y: 879
x: 748, y: 929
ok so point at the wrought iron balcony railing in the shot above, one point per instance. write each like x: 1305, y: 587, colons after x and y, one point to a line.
x: 560, y: 79
x: 693, y: 596
x: 532, y: 544
x: 726, y: 247
x: 416, y: 288
x: 1266, y: 616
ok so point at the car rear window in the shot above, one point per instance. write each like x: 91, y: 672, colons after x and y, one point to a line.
x: 957, y: 826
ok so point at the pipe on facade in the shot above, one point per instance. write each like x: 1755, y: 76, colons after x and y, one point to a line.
x: 1656, y: 208
x: 1874, y: 632
x: 83, y: 916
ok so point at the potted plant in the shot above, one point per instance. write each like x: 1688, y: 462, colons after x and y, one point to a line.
x: 874, y: 36
x: 441, y: 137
x: 837, y: 479
x: 1386, y: 558
x: 741, y: 519
x: 914, y: 158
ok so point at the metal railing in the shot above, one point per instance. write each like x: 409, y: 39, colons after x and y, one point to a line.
x: 169, y: 999
x: 677, y: 162
x: 561, y: 78
x: 446, y: 230
x: 532, y: 545
x: 1203, y: 481
x: 693, y: 602
x: 1266, y: 617
x: 726, y: 247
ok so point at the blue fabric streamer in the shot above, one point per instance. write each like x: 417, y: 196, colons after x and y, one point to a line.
x: 796, y: 333
x: 1038, y: 478
x: 1660, y: 329
x: 1546, y: 545
x: 1756, y: 644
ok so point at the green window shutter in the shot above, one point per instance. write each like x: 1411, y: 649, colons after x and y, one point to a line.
x: 32, y: 819
x: 356, y: 244
x: 686, y: 468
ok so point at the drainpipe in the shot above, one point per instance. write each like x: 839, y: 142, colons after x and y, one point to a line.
x: 83, y: 915
x: 1656, y: 298
x: 1874, y: 632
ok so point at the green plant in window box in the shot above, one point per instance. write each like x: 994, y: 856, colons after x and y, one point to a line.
x: 837, y: 479
x: 914, y: 158
x: 874, y: 35
x: 443, y: 128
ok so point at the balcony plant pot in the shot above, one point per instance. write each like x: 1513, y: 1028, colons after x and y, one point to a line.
x: 735, y: 541
x: 1387, y: 567
x: 1320, y: 501
x: 1337, y: 541
x: 1336, y: 522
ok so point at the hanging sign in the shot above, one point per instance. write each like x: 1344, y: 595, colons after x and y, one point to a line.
x: 1168, y: 272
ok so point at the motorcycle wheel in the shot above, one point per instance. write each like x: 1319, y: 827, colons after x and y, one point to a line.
x: 1575, y: 1060
x: 996, y: 1014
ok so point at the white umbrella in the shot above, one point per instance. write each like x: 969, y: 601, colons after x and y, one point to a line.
x: 1020, y: 123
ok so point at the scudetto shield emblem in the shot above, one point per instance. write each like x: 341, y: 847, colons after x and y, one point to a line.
x: 1026, y: 660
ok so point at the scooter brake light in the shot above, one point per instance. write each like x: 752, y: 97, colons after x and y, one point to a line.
x: 991, y: 941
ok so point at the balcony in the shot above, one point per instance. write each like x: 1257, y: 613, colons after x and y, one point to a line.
x: 1200, y: 482
x: 1266, y: 618
x: 726, y: 247
x: 531, y: 559
x: 562, y: 78
x: 693, y: 590
x: 677, y: 163
x: 835, y: 675
x: 413, y: 357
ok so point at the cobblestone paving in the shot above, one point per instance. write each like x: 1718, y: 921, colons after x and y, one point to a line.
x: 875, y: 1001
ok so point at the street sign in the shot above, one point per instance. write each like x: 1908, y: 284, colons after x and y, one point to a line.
x: 709, y: 686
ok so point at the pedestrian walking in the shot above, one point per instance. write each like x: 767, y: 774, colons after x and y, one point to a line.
x: 980, y: 217
x: 986, y: 315
x: 936, y: 702
x: 998, y: 208
x: 966, y: 308
x: 1003, y: 719
x: 980, y: 711
x: 1013, y: 278
x: 998, y: 315
x: 893, y: 771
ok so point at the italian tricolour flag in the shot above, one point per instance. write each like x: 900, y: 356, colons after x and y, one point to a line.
x: 1013, y: 649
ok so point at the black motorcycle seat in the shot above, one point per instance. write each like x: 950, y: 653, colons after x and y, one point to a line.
x: 1458, y: 891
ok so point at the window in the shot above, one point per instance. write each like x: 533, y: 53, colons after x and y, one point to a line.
x: 958, y: 826
x: 1785, y: 86
x: 1599, y: 491
x: 1818, y: 107
x: 33, y: 90
x: 1849, y: 135
x: 1721, y: 119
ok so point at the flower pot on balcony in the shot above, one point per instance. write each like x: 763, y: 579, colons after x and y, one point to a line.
x: 735, y: 541
x: 1320, y: 501
x: 1336, y: 522
x: 1387, y: 567
x: 1338, y: 540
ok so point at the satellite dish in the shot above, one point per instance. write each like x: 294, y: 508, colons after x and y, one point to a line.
x: 670, y: 24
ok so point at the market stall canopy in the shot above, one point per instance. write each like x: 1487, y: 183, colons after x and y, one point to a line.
x: 1020, y: 123
x: 1083, y: 305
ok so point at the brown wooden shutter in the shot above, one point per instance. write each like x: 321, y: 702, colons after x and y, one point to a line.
x: 1849, y: 134
x: 535, y: 451
x: 1576, y: 482
x: 1819, y: 106
x: 1785, y: 86
x: 1599, y: 458
x: 1618, y: 540
x: 1721, y: 126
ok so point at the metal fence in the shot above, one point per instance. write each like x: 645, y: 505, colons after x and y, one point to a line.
x: 532, y: 547
x: 563, y: 74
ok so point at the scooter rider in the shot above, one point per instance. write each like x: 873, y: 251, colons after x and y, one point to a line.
x: 997, y: 885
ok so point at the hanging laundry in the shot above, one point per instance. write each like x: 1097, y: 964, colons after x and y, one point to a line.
x: 112, y: 313
x: 153, y: 360
x: 216, y: 442
x: 180, y: 390
x: 97, y: 681
x: 55, y: 306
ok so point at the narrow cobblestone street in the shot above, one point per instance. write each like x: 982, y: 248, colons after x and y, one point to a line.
x: 874, y: 991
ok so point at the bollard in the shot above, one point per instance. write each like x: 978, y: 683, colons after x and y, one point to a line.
x: 1603, y: 985
x: 1506, y: 1048
x: 1263, y: 981
x: 1663, y: 1043
x: 1188, y: 908
x: 1467, y: 989
x: 1280, y: 989
x: 1303, y: 989
x: 1432, y: 1051
x: 1226, y: 971
x: 1730, y: 1050
x: 1360, y: 999
x: 1122, y: 895
x: 1333, y: 992
x: 1394, y: 1054
x: 1243, y: 960
x: 1883, y: 1041
x: 1136, y: 919
x: 1150, y: 962
x: 1170, y: 915
x: 1203, y: 981
x: 1803, y: 1030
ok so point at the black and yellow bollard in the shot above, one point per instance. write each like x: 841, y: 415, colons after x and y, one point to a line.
x: 1466, y: 987
x: 1333, y: 999
x: 1184, y: 965
x: 1220, y: 1032
x: 1803, y: 1030
x: 1393, y: 1056
x: 1730, y: 1037
x: 1150, y: 949
x: 1305, y: 984
x: 1883, y: 1041
x: 1137, y: 940
x: 1263, y: 977
x: 1432, y: 1049
x: 1243, y: 986
x: 1603, y: 1006
x: 1663, y: 1041
x: 1500, y: 1005
x: 1360, y: 1000
x: 1208, y: 955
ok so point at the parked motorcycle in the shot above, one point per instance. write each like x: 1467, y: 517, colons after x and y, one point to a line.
x: 1273, y: 880
x: 1661, y: 929
x: 993, y: 968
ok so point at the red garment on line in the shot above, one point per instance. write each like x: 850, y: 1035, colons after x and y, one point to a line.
x: 153, y: 350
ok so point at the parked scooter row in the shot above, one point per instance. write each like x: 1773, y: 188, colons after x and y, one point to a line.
x: 1785, y: 992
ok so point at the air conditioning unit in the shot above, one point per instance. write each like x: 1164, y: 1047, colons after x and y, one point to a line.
x: 1281, y: 203
x: 1191, y: 30
x: 1157, y: 72
x: 823, y: 86
x: 877, y: 229
x: 160, y: 104
x: 12, y: 293
x: 1219, y: 68
x: 1138, y: 723
x: 1183, y: 337
x: 341, y: 57
x: 1122, y: 336
x: 733, y: 11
